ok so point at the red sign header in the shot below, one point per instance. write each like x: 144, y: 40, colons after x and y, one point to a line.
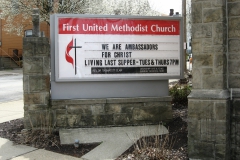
x: 118, y: 26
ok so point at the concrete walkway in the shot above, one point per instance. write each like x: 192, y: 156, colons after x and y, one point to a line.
x: 114, y: 140
x: 8, y: 150
x: 21, y: 152
x: 42, y: 154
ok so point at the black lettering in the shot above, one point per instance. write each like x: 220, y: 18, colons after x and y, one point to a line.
x: 105, y: 47
x: 117, y: 46
x: 110, y: 62
x: 106, y: 54
x: 93, y: 62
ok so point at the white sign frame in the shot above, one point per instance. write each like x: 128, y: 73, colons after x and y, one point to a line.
x: 101, y: 74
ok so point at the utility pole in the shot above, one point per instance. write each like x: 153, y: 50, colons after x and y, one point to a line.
x: 185, y: 30
x: 1, y: 36
x: 1, y: 44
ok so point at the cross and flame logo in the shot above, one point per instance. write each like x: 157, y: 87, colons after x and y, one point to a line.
x: 68, y: 57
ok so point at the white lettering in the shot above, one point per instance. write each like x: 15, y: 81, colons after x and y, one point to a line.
x: 126, y: 27
x: 94, y: 27
x: 67, y: 27
x: 156, y: 28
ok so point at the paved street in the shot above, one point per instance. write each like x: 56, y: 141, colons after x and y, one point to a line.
x: 11, y: 95
x: 11, y: 88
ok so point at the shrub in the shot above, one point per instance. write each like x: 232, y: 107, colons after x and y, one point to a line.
x: 154, y: 147
x: 179, y: 94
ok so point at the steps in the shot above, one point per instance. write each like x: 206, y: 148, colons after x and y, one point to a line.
x: 8, y: 63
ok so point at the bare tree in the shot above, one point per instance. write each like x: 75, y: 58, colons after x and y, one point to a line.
x: 17, y: 13
x: 120, y: 7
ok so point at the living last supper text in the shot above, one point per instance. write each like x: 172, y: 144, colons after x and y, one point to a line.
x: 117, y: 57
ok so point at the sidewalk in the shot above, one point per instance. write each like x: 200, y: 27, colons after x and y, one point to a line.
x: 21, y: 152
x: 11, y: 110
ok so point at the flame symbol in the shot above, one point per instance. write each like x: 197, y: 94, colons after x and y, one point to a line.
x: 69, y: 59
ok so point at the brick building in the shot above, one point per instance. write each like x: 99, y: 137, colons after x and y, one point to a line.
x: 10, y: 42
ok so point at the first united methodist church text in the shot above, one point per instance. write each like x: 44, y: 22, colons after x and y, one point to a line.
x: 123, y: 28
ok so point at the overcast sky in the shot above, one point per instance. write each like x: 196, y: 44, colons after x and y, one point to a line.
x: 164, y: 6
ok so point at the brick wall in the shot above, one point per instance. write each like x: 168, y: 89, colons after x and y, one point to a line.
x: 234, y: 73
x: 214, y: 104
x: 111, y: 111
x: 209, y: 106
x: 36, y: 81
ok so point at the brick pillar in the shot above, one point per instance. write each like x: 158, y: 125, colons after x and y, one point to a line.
x: 36, y: 81
x: 209, y: 104
x: 234, y: 74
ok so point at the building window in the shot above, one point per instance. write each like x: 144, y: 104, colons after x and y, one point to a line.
x: 28, y: 33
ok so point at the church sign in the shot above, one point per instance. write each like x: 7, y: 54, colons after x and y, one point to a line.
x: 90, y: 48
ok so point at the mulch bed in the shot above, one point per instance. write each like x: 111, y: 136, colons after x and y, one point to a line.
x: 14, y: 131
x: 176, y: 139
